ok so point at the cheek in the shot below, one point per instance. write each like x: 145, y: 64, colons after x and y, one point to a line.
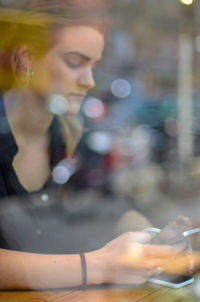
x: 53, y: 76
x: 63, y: 77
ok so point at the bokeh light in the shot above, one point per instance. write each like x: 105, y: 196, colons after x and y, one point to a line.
x: 187, y: 2
x: 57, y: 104
x: 120, y: 88
x: 170, y: 126
x: 94, y: 108
x: 100, y: 142
x: 63, y: 171
x: 61, y: 175
x: 140, y: 136
x: 45, y: 197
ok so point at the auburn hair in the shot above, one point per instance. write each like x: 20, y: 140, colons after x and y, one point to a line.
x: 36, y: 26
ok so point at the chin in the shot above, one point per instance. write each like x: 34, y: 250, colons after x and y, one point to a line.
x: 74, y: 108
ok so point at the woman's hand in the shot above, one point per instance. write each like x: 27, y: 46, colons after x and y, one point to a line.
x: 173, y: 235
x: 129, y: 259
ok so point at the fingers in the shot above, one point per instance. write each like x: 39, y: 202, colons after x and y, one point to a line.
x: 182, y: 220
x: 146, y: 256
x: 157, y: 251
x: 137, y: 250
x: 147, y: 264
x: 150, y: 250
x: 149, y: 257
x: 181, y: 264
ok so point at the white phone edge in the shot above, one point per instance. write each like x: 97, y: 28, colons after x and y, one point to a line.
x: 185, y: 233
x: 171, y: 284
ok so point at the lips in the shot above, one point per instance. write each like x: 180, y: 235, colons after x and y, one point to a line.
x: 77, y: 96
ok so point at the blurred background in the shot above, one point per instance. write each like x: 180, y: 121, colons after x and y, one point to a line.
x: 142, y: 124
x: 140, y: 149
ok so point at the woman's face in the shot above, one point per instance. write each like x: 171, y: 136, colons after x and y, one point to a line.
x: 67, y: 69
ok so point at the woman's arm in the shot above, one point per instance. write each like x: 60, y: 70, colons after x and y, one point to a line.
x: 20, y: 270
x: 124, y: 260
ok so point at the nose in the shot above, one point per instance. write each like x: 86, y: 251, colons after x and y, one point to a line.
x: 86, y: 78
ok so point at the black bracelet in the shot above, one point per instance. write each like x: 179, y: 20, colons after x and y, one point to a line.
x: 84, y: 271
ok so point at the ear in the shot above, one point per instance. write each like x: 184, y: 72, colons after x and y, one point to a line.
x: 25, y: 57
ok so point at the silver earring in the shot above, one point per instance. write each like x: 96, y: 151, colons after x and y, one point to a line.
x: 29, y: 75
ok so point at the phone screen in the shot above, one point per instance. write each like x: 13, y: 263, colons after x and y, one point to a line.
x: 172, y: 280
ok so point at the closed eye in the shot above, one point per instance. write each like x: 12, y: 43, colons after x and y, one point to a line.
x: 76, y: 60
x: 73, y: 64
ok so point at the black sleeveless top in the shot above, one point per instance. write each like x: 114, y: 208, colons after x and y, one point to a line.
x: 11, y: 186
x: 9, y: 183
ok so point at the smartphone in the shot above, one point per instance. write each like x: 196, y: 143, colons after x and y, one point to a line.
x: 171, y: 280
x: 185, y: 233
x: 191, y: 232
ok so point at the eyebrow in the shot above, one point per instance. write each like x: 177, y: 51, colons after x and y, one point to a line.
x: 86, y: 58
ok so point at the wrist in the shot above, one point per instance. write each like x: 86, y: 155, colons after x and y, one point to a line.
x: 96, y: 267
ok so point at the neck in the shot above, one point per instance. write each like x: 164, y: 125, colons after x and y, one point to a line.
x: 27, y: 113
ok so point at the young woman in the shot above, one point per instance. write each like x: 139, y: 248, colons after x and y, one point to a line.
x: 52, y: 51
